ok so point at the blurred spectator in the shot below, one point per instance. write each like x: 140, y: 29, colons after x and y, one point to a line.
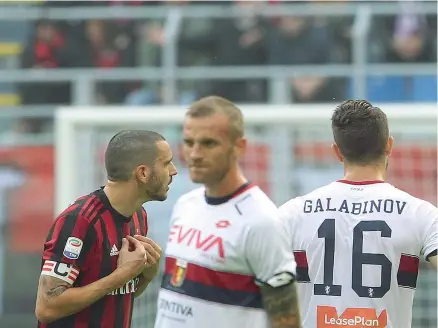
x: 295, y: 41
x: 46, y: 49
x: 18, y: 131
x: 412, y: 40
x: 194, y: 44
x: 241, y: 41
x: 105, y: 47
x: 408, y: 37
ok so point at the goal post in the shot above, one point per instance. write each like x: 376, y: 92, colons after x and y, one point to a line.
x: 417, y: 121
x: 288, y: 155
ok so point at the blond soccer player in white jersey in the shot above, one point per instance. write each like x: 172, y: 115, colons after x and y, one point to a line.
x: 357, y: 241
x: 228, y: 260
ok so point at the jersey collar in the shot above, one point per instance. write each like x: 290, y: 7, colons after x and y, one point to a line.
x: 361, y: 183
x: 224, y: 199
x: 102, y: 196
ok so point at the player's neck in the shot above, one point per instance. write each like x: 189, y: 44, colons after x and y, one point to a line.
x: 122, y: 198
x: 359, y: 173
x: 232, y: 181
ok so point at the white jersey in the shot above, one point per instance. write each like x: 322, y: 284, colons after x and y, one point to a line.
x: 357, y: 248
x: 218, y: 252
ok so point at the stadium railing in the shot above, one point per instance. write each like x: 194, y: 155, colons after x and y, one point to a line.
x: 83, y: 80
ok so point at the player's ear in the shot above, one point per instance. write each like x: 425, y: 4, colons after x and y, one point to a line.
x: 389, y: 145
x: 337, y: 152
x: 240, y: 146
x: 142, y: 173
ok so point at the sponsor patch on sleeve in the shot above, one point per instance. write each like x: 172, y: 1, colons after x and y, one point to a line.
x: 73, y: 248
x: 63, y: 271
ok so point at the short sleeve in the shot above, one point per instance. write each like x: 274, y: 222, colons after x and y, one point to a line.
x: 70, y: 240
x: 287, y: 214
x: 268, y: 252
x: 429, y: 233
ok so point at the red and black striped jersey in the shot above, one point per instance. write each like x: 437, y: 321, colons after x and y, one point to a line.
x: 83, y: 246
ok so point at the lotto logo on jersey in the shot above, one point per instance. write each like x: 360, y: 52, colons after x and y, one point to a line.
x: 72, y: 248
x: 327, y: 317
x: 179, y: 273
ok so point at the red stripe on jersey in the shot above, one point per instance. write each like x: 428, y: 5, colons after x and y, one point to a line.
x: 85, y: 207
x: 92, y: 267
x: 409, y: 263
x: 145, y: 221
x: 69, y: 209
x: 71, y: 224
x: 361, y: 183
x: 209, y: 277
x: 112, y: 236
x: 109, y: 317
x: 136, y: 224
x: 127, y: 304
x: 95, y: 205
x: 301, y: 259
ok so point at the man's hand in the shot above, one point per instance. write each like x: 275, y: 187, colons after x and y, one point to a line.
x: 133, y: 261
x: 153, y: 255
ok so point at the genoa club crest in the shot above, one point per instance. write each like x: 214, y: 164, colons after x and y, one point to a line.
x: 179, y: 273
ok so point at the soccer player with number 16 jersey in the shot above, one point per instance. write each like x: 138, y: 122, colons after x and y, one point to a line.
x: 358, y: 241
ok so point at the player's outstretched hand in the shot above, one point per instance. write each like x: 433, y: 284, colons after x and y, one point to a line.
x: 132, y: 256
x: 153, y: 254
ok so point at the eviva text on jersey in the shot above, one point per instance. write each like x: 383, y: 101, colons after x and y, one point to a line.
x: 355, y: 208
x: 197, y: 239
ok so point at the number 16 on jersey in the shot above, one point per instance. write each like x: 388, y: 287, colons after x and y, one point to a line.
x: 327, y: 231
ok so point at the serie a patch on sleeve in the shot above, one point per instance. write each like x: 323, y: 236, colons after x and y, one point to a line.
x: 63, y: 271
x: 73, y: 248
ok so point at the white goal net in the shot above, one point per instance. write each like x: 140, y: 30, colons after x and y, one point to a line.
x: 289, y: 154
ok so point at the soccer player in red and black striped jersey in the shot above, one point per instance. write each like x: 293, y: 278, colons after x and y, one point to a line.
x: 97, y: 257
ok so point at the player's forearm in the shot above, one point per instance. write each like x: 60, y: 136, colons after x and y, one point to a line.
x: 62, y: 301
x: 142, y: 285
x: 433, y: 260
x: 281, y: 305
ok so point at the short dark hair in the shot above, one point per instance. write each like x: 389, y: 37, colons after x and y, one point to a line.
x: 211, y: 105
x: 361, y: 131
x: 128, y: 149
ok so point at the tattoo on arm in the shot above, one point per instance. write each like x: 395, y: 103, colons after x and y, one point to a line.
x: 56, y: 291
x: 281, y: 305
x: 52, y: 286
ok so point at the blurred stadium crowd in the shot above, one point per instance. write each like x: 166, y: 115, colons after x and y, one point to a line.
x: 246, y: 40
x: 26, y: 167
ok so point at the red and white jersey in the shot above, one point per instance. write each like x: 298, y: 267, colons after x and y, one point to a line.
x: 218, y: 252
x: 357, y: 247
